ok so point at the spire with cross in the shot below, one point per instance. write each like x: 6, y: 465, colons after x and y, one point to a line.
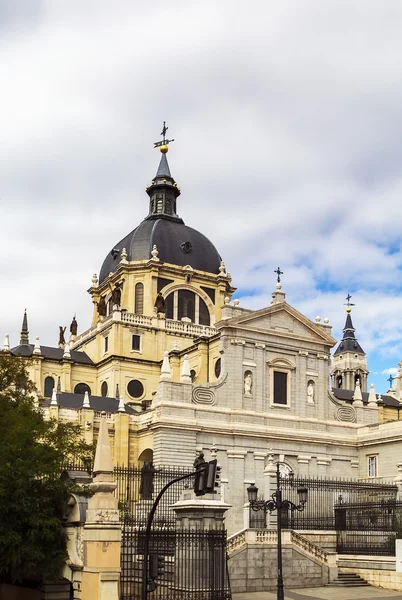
x: 163, y: 144
x: 390, y: 379
x: 348, y: 303
x: 279, y: 273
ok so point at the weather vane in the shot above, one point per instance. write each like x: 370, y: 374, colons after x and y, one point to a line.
x: 348, y: 303
x: 163, y: 144
x: 279, y: 273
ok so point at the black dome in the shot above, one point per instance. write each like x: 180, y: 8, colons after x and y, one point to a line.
x: 176, y: 243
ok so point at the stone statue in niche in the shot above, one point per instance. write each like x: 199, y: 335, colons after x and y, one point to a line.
x: 116, y: 294
x: 147, y: 480
x: 200, y: 460
x: 160, y: 304
x: 310, y: 392
x: 102, y: 308
x: 248, y: 383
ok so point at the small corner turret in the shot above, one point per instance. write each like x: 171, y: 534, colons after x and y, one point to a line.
x: 349, y: 363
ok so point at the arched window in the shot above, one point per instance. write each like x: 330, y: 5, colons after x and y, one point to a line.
x: 81, y: 388
x: 358, y: 379
x: 139, y: 299
x: 110, y: 306
x: 204, y: 318
x: 186, y: 304
x: 49, y: 385
x: 339, y: 382
x: 104, y: 389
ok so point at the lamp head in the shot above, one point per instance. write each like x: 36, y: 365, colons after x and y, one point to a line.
x: 252, y: 492
x: 302, y: 492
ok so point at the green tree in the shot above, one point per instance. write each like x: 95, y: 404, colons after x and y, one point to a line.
x: 32, y: 495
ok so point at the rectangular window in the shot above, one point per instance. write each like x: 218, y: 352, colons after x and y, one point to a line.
x: 372, y: 466
x: 106, y: 344
x: 136, y: 342
x: 280, y: 387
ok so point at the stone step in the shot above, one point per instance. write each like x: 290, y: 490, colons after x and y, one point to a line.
x: 349, y: 580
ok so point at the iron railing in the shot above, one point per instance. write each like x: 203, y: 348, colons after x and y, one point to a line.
x: 323, y: 496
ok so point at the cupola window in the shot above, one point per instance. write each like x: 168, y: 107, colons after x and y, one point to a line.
x: 139, y: 299
x: 104, y: 389
x: 185, y: 304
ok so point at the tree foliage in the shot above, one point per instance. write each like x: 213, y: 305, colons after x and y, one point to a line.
x: 32, y: 495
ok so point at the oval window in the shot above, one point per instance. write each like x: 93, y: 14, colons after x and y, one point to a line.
x: 81, y: 388
x: 104, y: 389
x: 218, y: 365
x: 135, y: 388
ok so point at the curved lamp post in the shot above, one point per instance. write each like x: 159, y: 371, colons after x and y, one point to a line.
x: 278, y: 504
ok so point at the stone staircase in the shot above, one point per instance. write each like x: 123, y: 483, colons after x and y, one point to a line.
x: 349, y: 580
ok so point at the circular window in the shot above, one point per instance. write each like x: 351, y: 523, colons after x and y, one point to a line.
x: 104, y: 389
x: 218, y: 365
x: 135, y: 388
x: 81, y: 388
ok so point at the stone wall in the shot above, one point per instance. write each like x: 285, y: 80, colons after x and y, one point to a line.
x: 326, y: 540
x: 253, y: 568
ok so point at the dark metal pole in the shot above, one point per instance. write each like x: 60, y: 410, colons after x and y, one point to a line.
x: 280, y: 593
x: 148, y: 533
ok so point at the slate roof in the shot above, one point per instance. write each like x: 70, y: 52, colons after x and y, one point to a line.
x: 75, y: 401
x: 169, y: 236
x: 50, y: 353
x: 349, y: 342
x: 348, y: 395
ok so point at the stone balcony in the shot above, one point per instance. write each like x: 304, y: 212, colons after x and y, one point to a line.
x: 183, y: 328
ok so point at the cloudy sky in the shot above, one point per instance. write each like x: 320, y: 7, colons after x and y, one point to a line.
x: 288, y: 151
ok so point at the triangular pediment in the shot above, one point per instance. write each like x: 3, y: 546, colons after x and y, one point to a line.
x: 283, y: 319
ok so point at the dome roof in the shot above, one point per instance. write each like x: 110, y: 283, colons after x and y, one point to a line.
x: 177, y: 244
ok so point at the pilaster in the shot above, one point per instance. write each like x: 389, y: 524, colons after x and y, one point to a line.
x: 303, y: 461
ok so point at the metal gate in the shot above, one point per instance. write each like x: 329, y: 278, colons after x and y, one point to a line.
x: 368, y: 528
x: 190, y: 564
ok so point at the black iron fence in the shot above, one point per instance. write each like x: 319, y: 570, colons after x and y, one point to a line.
x: 193, y: 565
x: 134, y: 509
x: 368, y: 528
x: 323, y: 496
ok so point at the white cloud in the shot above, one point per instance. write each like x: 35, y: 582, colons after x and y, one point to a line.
x: 287, y: 125
x: 390, y: 371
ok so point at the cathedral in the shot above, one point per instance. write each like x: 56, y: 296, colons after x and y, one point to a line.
x: 180, y: 367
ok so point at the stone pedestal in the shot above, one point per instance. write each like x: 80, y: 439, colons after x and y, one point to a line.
x: 200, y: 555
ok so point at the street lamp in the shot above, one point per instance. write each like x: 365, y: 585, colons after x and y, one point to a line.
x: 276, y: 503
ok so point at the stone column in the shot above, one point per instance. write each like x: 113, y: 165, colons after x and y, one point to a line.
x: 398, y: 481
x: 102, y: 529
x: 270, y: 488
x: 198, y: 565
